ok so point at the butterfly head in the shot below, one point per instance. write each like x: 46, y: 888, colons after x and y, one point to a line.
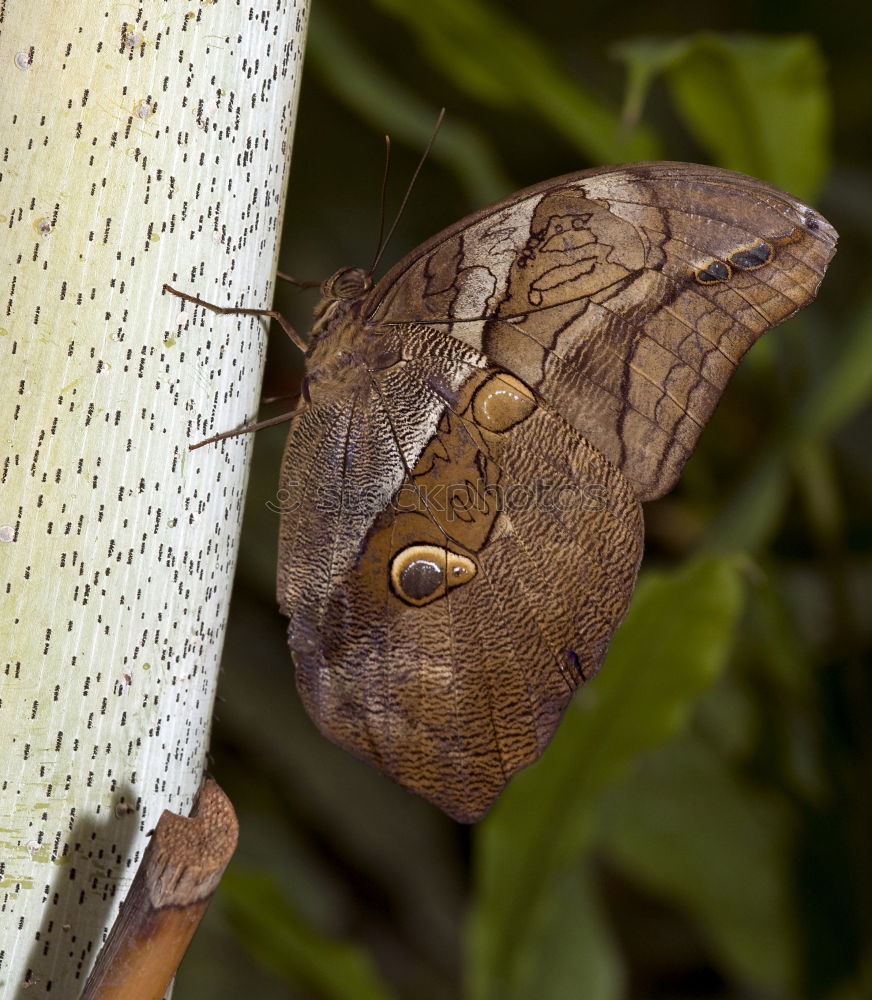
x: 346, y: 283
x: 340, y: 289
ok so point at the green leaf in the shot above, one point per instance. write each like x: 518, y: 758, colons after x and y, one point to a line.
x: 277, y: 937
x: 645, y: 60
x: 482, y: 50
x: 576, y: 954
x: 844, y: 388
x: 674, y: 642
x: 759, y: 105
x: 816, y: 478
x: 842, y: 391
x: 755, y: 104
x: 685, y: 827
x: 749, y: 518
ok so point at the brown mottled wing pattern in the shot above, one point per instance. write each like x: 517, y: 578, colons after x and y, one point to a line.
x: 449, y: 685
x: 461, y: 525
x: 625, y: 297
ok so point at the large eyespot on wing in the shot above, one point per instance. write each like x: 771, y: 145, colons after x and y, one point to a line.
x: 625, y: 297
x: 482, y: 595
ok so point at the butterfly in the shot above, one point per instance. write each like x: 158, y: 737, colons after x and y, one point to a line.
x: 461, y: 523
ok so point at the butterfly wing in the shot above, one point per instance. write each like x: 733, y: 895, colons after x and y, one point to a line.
x: 624, y: 297
x: 461, y: 527
x: 441, y: 624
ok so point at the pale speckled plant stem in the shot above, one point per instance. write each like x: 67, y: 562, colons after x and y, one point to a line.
x: 136, y: 153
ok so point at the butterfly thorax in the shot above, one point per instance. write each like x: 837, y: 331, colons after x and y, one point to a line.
x: 343, y: 348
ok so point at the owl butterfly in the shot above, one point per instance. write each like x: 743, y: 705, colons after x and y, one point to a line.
x: 461, y: 525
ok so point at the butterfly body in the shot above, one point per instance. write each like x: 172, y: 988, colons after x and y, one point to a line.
x: 461, y: 525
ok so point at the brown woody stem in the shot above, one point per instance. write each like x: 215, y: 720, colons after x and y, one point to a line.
x: 179, y: 872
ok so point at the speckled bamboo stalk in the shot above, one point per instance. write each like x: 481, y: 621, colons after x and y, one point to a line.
x: 135, y: 152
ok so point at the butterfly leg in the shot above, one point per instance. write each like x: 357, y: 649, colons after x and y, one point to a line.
x: 236, y: 311
x: 240, y: 311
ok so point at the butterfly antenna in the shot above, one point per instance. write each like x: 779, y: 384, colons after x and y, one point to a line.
x: 406, y: 196
x: 381, y: 206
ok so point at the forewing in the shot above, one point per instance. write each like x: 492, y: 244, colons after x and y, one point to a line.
x: 625, y: 297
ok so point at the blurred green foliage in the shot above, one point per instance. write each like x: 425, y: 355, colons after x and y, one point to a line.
x: 540, y: 831
x: 745, y: 99
x: 701, y: 826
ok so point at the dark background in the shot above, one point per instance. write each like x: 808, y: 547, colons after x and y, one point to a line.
x: 704, y: 828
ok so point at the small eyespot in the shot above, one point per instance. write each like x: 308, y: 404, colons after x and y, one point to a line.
x: 752, y: 257
x: 714, y: 272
